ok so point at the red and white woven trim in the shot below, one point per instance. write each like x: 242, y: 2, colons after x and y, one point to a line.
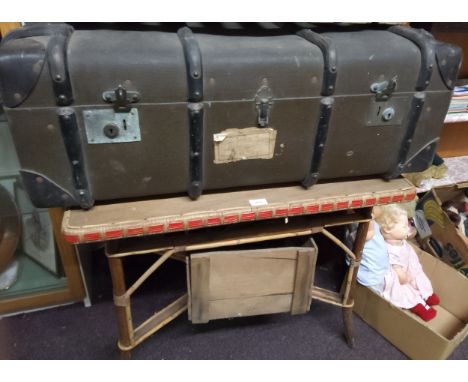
x: 181, y: 223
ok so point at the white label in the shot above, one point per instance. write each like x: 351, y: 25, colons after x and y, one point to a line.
x: 258, y: 202
x: 219, y: 137
x: 422, y: 225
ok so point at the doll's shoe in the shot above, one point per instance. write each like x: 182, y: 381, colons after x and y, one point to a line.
x: 425, y: 314
x: 433, y: 300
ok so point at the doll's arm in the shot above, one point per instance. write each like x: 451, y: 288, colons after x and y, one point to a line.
x: 403, y: 277
x: 370, y: 232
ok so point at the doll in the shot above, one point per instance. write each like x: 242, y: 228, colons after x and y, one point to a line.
x: 374, y: 263
x: 406, y: 284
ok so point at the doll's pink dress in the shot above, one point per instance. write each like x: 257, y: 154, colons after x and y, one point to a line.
x: 414, y: 292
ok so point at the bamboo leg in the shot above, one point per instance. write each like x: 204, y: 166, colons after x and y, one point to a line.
x: 125, y: 355
x: 352, y: 274
x: 124, y: 318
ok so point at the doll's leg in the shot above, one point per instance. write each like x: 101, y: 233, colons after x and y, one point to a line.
x: 420, y: 280
x: 407, y: 297
x: 423, y: 285
x: 433, y: 299
x: 426, y: 314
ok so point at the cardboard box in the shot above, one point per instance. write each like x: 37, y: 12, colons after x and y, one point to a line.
x: 436, y: 339
x: 445, y: 241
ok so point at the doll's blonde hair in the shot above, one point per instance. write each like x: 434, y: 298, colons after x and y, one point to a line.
x: 409, y: 207
x: 389, y: 215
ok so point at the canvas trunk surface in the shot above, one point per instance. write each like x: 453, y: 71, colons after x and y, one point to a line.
x: 187, y: 111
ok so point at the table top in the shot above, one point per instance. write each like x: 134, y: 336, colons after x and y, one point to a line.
x: 457, y: 173
x: 158, y: 216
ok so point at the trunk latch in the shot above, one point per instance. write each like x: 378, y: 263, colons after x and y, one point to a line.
x: 121, y: 98
x: 383, y: 90
x: 263, y: 102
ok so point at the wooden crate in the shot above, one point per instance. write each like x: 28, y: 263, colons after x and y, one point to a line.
x: 238, y: 283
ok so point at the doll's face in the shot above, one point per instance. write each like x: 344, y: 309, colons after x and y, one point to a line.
x: 399, y: 231
x: 376, y: 212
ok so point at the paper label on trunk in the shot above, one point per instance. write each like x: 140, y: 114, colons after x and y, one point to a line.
x: 233, y: 145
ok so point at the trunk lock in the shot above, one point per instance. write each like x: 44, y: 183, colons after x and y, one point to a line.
x: 388, y: 114
x: 111, y: 130
x: 109, y: 126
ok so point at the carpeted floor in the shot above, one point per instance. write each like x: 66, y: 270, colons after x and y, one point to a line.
x: 76, y: 332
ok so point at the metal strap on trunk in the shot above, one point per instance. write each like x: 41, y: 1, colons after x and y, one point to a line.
x: 72, y: 141
x: 413, y: 117
x: 425, y: 43
x: 329, y: 58
x: 194, y: 67
x: 58, y: 68
x: 320, y: 140
x: 328, y: 50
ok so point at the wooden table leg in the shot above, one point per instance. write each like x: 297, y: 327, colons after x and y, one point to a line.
x: 123, y: 312
x: 348, y: 309
x: 125, y: 355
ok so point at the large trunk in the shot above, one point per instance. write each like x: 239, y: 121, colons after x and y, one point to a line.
x: 112, y: 114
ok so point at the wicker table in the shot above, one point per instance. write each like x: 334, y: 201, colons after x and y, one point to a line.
x: 172, y: 228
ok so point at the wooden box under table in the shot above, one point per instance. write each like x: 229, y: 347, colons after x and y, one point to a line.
x: 238, y: 283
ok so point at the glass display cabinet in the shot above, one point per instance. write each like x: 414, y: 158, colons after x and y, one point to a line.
x: 37, y: 267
